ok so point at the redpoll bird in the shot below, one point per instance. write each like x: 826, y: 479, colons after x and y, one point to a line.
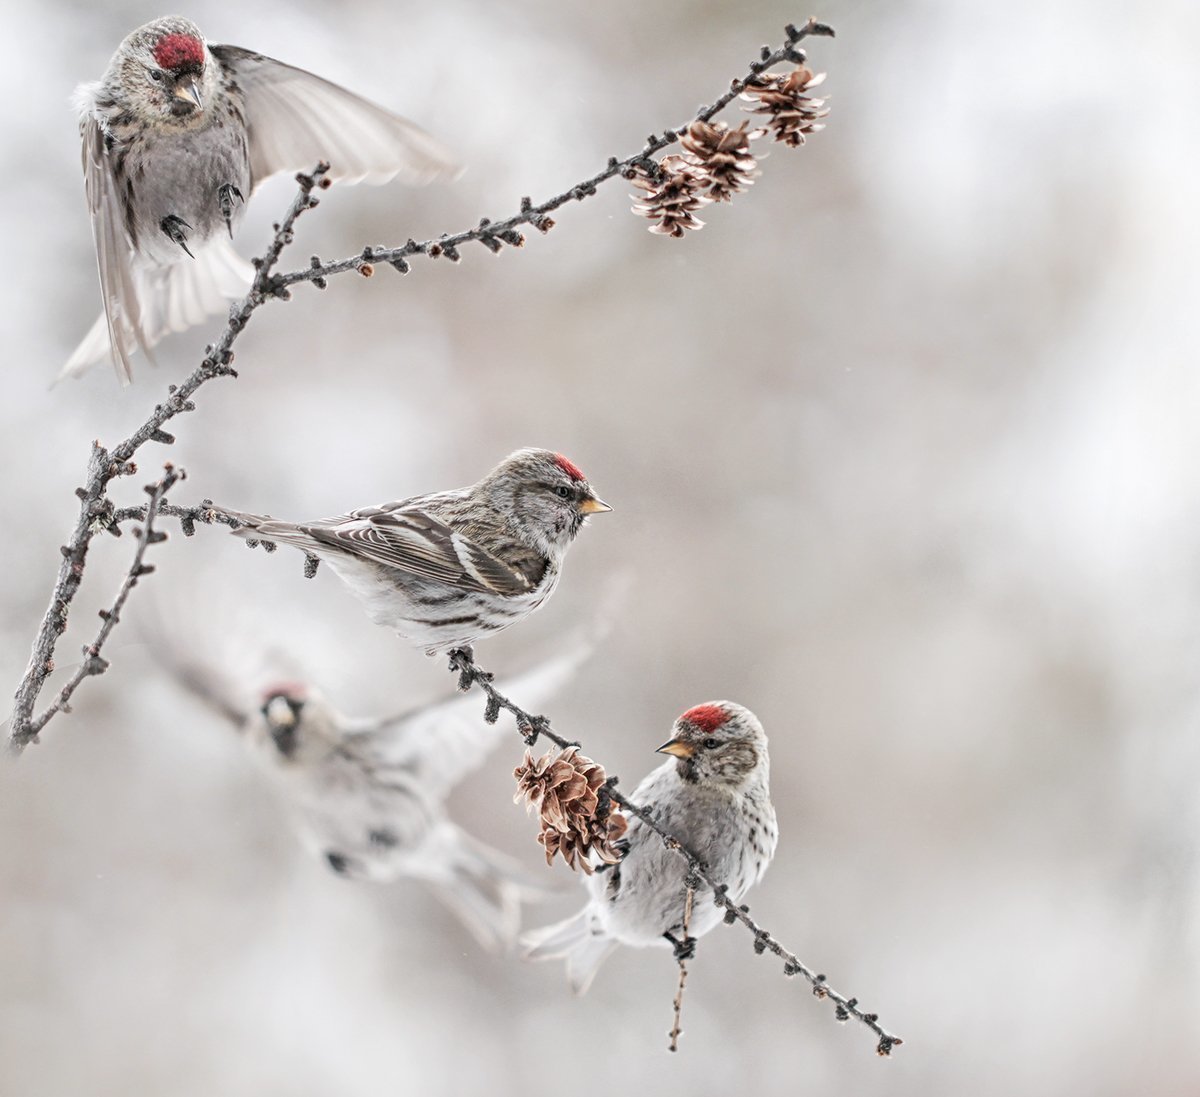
x: 368, y: 796
x: 176, y: 136
x: 444, y: 570
x: 712, y: 796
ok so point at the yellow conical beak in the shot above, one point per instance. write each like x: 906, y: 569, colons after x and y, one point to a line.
x: 677, y: 748
x: 189, y: 93
x: 592, y: 505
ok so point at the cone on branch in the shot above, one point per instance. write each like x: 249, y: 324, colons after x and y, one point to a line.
x: 724, y: 154
x: 577, y: 819
x: 790, y: 113
x: 672, y: 196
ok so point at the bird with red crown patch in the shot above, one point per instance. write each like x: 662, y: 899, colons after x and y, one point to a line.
x: 176, y: 136
x: 449, y: 568
x: 713, y: 795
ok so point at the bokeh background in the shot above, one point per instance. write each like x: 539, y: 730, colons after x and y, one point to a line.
x: 904, y: 454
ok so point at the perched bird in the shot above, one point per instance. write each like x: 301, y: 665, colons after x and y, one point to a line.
x: 368, y: 795
x: 446, y: 569
x: 176, y: 136
x: 713, y: 796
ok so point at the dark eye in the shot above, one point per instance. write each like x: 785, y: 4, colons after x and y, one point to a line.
x: 156, y: 76
x: 711, y: 744
x: 563, y: 492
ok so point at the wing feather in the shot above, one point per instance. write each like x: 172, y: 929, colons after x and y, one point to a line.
x: 296, y: 118
x: 414, y: 541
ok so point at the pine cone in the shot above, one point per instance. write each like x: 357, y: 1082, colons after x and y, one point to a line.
x: 725, y: 154
x: 790, y: 113
x: 576, y: 819
x: 673, y: 196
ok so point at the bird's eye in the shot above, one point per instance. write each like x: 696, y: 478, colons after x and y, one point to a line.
x: 156, y: 75
x: 711, y: 744
x: 563, y: 492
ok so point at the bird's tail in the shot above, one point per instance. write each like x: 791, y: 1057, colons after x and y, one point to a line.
x: 171, y: 297
x: 262, y: 527
x: 577, y: 940
x: 483, y: 888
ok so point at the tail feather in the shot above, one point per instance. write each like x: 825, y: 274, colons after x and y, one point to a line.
x: 262, y: 527
x: 577, y: 941
x: 170, y: 298
x: 484, y: 888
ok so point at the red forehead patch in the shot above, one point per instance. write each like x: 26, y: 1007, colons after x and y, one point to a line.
x: 572, y: 470
x: 706, y: 717
x: 297, y: 691
x: 173, y: 51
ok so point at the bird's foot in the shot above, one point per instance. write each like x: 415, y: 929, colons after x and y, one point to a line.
x: 226, y: 193
x: 174, y: 227
x: 684, y: 949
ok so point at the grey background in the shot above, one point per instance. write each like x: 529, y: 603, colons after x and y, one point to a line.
x: 903, y: 453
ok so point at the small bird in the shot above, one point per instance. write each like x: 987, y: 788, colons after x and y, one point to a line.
x: 445, y: 569
x: 713, y: 796
x: 176, y: 136
x: 368, y: 795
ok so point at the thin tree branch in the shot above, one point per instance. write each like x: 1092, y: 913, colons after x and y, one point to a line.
x: 93, y: 661
x: 105, y: 466
x: 531, y: 727
x: 684, y: 951
x: 494, y: 234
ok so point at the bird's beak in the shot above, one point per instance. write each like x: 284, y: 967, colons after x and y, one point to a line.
x: 280, y: 713
x: 189, y: 93
x: 592, y: 505
x: 677, y: 747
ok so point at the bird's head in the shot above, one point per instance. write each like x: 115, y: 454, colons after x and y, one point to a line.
x: 719, y: 743
x: 164, y: 71
x: 545, y: 496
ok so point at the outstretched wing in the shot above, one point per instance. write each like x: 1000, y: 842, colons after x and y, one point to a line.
x: 295, y: 119
x: 114, y: 250
x: 414, y: 541
x: 142, y: 301
x: 444, y: 742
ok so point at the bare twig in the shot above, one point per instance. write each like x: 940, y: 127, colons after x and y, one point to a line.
x: 494, y: 234
x: 683, y: 952
x: 93, y: 661
x: 462, y: 662
x: 105, y: 466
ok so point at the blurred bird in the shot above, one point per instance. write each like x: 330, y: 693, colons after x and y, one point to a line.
x: 368, y: 796
x: 713, y: 796
x: 445, y: 569
x: 176, y: 137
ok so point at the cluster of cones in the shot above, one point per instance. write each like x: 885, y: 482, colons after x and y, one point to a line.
x: 578, y: 820
x: 716, y: 162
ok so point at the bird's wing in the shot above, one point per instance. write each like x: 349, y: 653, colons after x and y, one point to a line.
x: 219, y: 650
x: 414, y: 541
x: 295, y: 119
x: 443, y: 742
x: 114, y: 252
x: 143, y: 301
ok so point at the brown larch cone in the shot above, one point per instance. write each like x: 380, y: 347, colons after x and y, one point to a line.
x: 790, y: 113
x: 725, y: 154
x: 673, y: 196
x: 576, y: 818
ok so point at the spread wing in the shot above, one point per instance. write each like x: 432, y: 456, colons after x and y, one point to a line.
x: 414, y: 541
x: 295, y: 119
x: 114, y: 250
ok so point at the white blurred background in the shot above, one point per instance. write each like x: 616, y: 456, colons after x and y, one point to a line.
x: 903, y: 452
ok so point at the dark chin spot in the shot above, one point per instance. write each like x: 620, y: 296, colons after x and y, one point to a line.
x: 339, y: 862
x: 285, y: 740
x: 686, y: 768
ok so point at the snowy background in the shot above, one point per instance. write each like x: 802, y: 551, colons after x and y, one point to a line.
x: 903, y: 453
